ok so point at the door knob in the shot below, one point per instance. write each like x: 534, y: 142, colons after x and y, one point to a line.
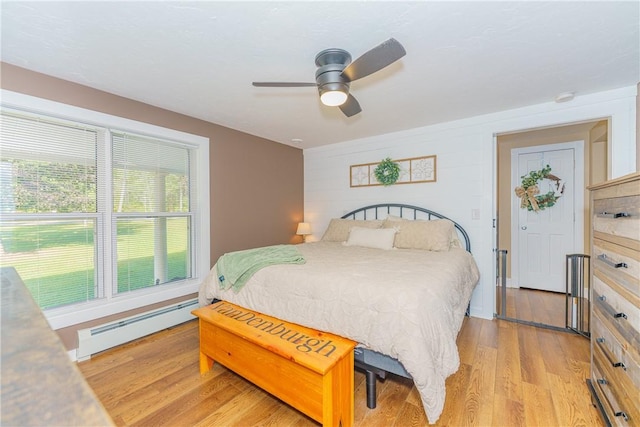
x: 524, y: 227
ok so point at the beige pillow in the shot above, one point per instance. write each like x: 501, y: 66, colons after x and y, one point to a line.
x: 378, y: 238
x: 432, y: 235
x: 338, y: 229
x: 454, y: 240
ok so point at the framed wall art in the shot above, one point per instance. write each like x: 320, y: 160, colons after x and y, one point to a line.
x: 412, y: 171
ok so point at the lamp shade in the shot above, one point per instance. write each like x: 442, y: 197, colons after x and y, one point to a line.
x: 304, y: 229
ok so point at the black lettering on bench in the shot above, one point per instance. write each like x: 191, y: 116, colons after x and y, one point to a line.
x: 333, y: 348
x: 305, y: 344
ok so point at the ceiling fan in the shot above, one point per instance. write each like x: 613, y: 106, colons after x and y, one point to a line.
x: 336, y: 72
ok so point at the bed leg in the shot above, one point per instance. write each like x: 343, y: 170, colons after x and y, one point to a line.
x: 371, y: 389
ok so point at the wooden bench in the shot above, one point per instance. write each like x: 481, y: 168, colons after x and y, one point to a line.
x: 310, y: 370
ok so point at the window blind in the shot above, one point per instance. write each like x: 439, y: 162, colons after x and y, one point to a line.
x: 151, y: 200
x: 149, y: 175
x: 49, y: 184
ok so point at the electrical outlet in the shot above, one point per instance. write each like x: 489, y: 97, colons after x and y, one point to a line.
x: 475, y: 213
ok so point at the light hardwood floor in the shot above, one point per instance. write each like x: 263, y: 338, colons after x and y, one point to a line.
x: 537, y: 306
x: 546, y: 308
x: 510, y: 375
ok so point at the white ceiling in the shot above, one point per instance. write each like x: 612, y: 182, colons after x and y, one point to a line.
x: 199, y: 58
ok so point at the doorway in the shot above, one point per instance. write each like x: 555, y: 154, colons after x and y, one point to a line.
x: 534, y: 243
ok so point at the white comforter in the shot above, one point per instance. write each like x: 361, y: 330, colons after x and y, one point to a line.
x: 408, y: 304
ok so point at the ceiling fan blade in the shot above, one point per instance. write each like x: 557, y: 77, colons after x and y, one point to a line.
x: 374, y: 60
x: 283, y: 84
x: 351, y: 107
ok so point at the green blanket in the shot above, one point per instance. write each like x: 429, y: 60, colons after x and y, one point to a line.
x: 236, y: 268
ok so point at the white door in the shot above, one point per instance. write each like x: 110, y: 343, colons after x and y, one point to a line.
x: 542, y: 239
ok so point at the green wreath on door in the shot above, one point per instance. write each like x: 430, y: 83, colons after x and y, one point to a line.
x: 529, y: 192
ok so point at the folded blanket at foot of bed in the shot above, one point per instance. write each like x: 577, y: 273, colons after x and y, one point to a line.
x: 236, y: 268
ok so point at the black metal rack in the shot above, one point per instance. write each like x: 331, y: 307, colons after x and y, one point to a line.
x: 578, y: 288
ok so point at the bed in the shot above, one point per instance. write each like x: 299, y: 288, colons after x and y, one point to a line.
x: 403, y: 301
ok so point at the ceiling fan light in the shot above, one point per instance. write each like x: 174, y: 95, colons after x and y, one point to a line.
x: 333, y: 98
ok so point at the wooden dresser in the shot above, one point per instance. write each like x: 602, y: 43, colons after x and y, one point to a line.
x: 615, y: 300
x: 39, y: 385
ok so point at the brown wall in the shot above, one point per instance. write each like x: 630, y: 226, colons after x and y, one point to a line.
x: 257, y: 194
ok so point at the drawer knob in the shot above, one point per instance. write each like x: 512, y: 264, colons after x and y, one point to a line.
x: 620, y: 316
x: 623, y: 415
x: 604, y: 258
x: 613, y: 215
x: 602, y: 381
x: 607, y: 354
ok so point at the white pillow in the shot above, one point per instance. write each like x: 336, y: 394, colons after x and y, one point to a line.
x: 378, y: 238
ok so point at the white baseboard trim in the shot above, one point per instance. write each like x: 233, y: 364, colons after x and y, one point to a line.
x: 112, y: 334
x: 511, y: 283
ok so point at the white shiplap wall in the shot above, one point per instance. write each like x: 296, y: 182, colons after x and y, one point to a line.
x: 465, y: 170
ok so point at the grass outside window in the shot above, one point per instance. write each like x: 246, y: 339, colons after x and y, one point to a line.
x: 56, y: 259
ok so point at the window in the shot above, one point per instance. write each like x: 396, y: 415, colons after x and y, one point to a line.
x: 151, y: 211
x: 49, y: 210
x: 96, y: 215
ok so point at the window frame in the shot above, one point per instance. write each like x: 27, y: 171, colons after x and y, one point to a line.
x: 112, y: 304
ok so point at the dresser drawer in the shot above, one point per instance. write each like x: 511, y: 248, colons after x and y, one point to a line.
x: 618, y: 314
x: 608, y: 394
x: 618, y: 220
x: 625, y: 370
x: 621, y: 265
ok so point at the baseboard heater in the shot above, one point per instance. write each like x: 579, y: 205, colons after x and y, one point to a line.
x: 103, y: 337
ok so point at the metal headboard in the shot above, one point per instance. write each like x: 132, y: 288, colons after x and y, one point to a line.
x: 403, y: 211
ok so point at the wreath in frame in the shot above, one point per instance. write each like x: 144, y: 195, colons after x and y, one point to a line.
x: 529, y: 192
x: 387, y: 172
